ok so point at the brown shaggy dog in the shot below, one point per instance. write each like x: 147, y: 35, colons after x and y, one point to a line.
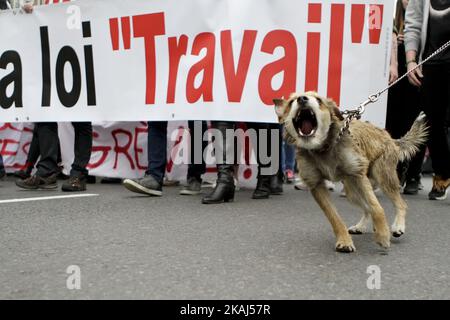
x: 363, y: 155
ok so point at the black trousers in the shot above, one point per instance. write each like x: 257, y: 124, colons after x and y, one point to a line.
x: 403, y: 107
x: 49, y: 148
x: 263, y: 139
x: 436, y: 103
x: 34, y: 151
x: 269, y: 137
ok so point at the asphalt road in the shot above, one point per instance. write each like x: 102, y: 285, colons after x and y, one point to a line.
x: 136, y: 247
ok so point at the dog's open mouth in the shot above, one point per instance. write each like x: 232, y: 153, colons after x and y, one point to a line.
x: 306, y: 123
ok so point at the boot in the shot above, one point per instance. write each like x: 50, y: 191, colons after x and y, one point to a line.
x: 224, y: 190
x: 262, y: 190
x: 276, y: 185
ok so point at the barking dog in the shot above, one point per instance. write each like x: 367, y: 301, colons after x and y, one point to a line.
x: 363, y: 155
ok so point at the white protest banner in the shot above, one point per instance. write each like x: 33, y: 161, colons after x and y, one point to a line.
x: 136, y: 60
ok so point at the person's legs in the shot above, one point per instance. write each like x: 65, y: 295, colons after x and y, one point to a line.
x: 151, y: 183
x: 436, y: 100
x: 82, y: 148
x: 48, y: 146
x: 289, y: 162
x: 47, y: 167
x: 197, y: 165
x: 2, y: 168
x: 268, y: 157
x: 224, y: 190
x: 157, y: 150
x: 82, y: 151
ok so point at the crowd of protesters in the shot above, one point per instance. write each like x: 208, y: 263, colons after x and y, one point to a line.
x: 420, y: 27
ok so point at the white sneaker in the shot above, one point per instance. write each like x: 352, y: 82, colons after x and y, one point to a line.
x: 300, y: 185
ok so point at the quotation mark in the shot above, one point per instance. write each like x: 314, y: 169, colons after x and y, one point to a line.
x: 125, y: 30
x: 375, y: 22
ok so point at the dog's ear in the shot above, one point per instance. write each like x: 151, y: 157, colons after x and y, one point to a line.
x: 334, y: 109
x: 281, y: 108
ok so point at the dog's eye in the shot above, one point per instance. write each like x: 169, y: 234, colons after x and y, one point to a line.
x: 319, y: 100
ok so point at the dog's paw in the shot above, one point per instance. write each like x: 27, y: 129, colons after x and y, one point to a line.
x: 356, y: 230
x: 345, y: 246
x: 398, y: 230
x: 383, y: 239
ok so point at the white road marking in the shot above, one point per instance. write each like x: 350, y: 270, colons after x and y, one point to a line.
x: 49, y: 198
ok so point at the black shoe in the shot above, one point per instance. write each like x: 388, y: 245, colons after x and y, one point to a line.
x: 262, y: 190
x: 412, y: 186
x: 436, y: 194
x: 74, y: 184
x: 439, y: 190
x: 192, y: 188
x: 2, y: 174
x: 146, y: 185
x: 36, y: 182
x: 276, y: 185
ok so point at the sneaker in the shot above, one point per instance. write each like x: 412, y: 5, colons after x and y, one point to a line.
x: 74, y: 184
x: 301, y: 185
x: 146, y: 185
x: 290, y: 177
x: 439, y: 190
x: 36, y: 182
x: 192, y: 188
x: 412, y: 186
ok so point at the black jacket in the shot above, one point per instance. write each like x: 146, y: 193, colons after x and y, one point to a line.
x: 3, y: 5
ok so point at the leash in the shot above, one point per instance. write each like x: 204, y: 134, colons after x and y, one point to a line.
x: 356, y: 113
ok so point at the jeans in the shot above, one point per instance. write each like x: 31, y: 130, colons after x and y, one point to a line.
x: 157, y: 150
x: 49, y: 148
x: 287, y: 157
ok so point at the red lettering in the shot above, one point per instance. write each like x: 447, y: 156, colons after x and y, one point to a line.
x: 312, y: 61
x: 148, y: 26
x: 375, y: 23
x: 104, y: 153
x: 122, y: 149
x: 206, y: 41
x: 357, y: 22
x: 287, y: 65
x: 138, y: 131
x: 5, y: 144
x: 177, y: 49
x: 235, y: 78
x: 336, y: 49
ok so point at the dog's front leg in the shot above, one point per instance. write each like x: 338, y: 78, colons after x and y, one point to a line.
x: 360, y: 192
x: 344, y: 241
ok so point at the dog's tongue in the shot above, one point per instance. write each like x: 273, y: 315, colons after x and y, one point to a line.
x: 307, y: 127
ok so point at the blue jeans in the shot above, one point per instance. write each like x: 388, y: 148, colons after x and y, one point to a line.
x: 157, y: 151
x: 287, y: 156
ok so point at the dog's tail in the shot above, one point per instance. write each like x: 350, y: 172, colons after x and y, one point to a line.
x: 409, y: 144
